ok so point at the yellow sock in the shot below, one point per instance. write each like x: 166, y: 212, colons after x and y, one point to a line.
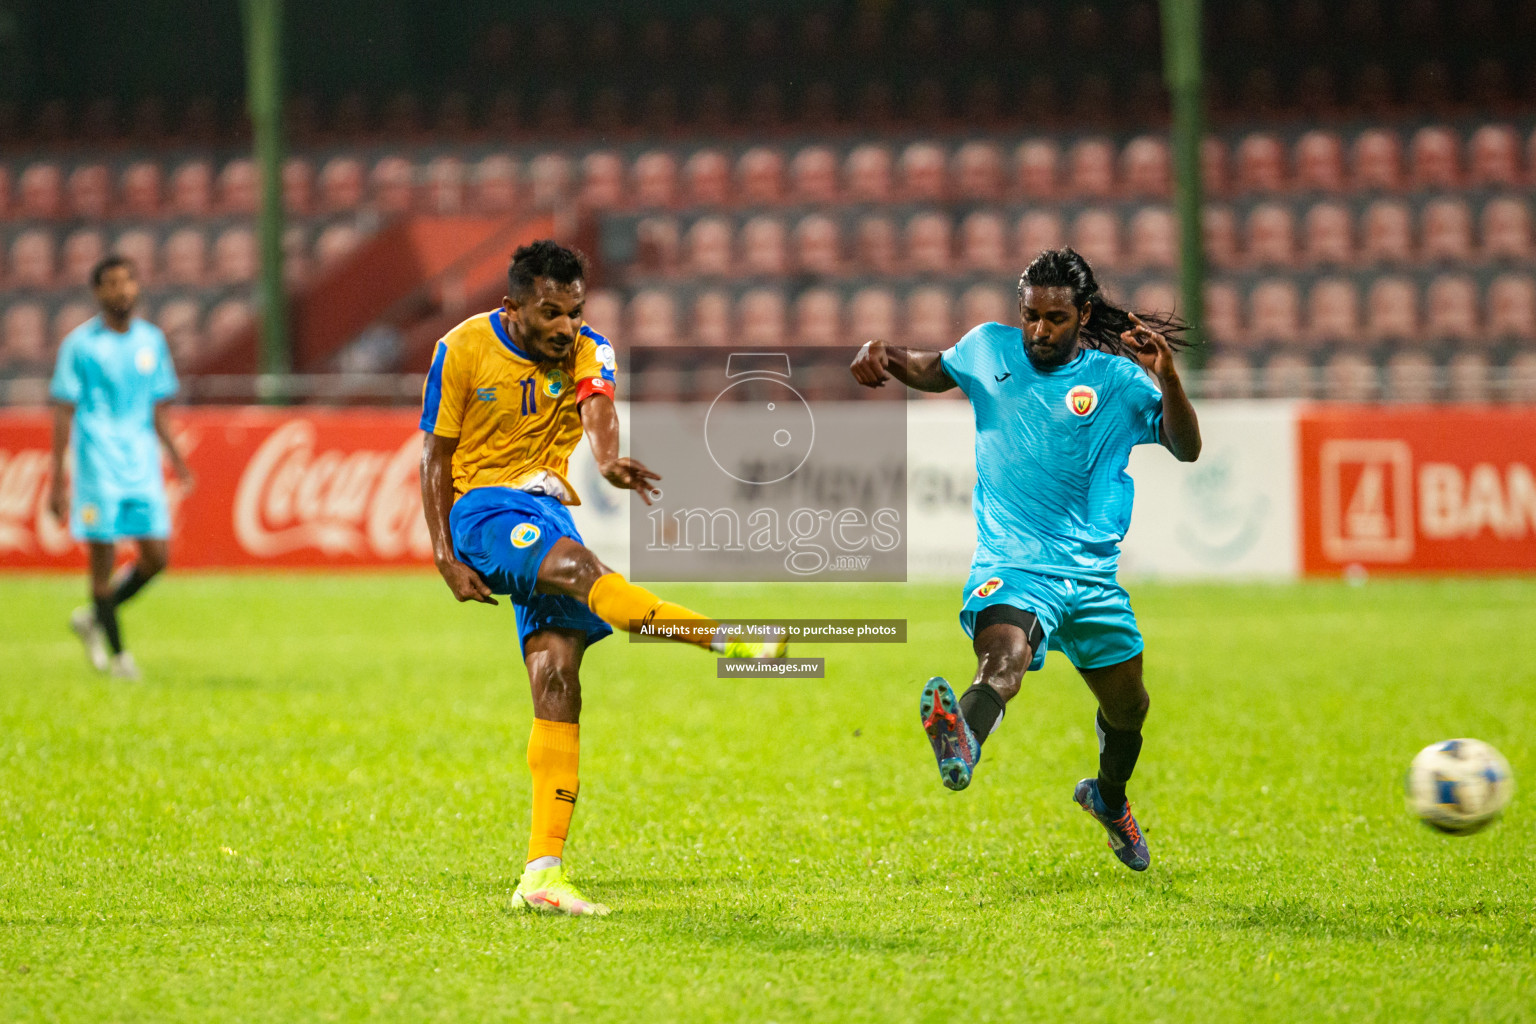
x: 553, y: 752
x: 625, y: 606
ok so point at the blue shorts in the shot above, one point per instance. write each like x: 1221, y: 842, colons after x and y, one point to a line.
x: 504, y: 535
x: 1091, y: 623
x: 103, y: 515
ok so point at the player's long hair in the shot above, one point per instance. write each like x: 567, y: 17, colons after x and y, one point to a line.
x: 1065, y: 268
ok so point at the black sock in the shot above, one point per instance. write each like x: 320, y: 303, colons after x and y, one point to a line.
x: 981, y: 707
x: 129, y: 584
x: 106, y: 615
x: 1118, y: 751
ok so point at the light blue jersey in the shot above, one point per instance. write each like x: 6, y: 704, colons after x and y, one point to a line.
x: 114, y: 381
x: 1052, y: 494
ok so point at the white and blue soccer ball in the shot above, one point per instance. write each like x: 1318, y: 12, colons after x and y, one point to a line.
x: 1458, y: 786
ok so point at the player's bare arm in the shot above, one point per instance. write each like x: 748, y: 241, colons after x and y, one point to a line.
x: 600, y: 422
x: 58, y: 489
x: 1181, y: 429
x: 436, y: 502
x: 919, y: 369
x: 172, y: 449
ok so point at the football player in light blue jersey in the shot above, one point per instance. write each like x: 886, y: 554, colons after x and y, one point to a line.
x: 110, y: 385
x: 1058, y: 407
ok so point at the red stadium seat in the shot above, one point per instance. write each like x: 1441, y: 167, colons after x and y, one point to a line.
x: 1434, y: 158
x: 1213, y: 167
x: 872, y: 314
x: 1096, y: 234
x: 1377, y: 161
x: 1260, y: 164
x: 1392, y: 311
x: 1228, y: 376
x: 813, y: 176
x: 1320, y: 162
x: 653, y: 318
x: 298, y: 185
x: 986, y: 304
x: 818, y: 247
x: 1145, y: 169
x: 1037, y: 231
x: 1276, y: 313
x: 707, y: 247
x: 142, y: 189
x: 1506, y: 230
x: 764, y: 247
x: 192, y: 189
x: 868, y: 174
x: 549, y: 180
x: 923, y: 172
x: 604, y: 313
x: 1494, y: 157
x: 83, y: 249
x: 656, y: 245
x: 443, y: 190
x: 1288, y: 375
x: 1447, y: 231
x: 1451, y: 309
x: 762, y: 317
x: 40, y: 189
x: 875, y: 245
x: 33, y: 259
x: 1218, y: 232
x: 711, y: 324
x: 1154, y: 239
x: 978, y: 170
x: 185, y: 257
x: 495, y: 184
x: 707, y: 178
x: 236, y: 256
x: 341, y: 184
x: 335, y: 243
x: 227, y: 321
x: 1333, y: 312
x: 393, y: 184
x: 25, y: 336
x: 1469, y: 378
x: 818, y: 318
x: 1411, y: 378
x: 984, y: 242
x: 1091, y: 171
x: 181, y: 320
x: 760, y: 176
x: 90, y: 191
x: 1037, y: 171
x: 654, y: 180
x: 930, y: 318
x: 1329, y: 236
x: 1387, y: 235
x: 1350, y: 377
x: 1223, y: 315
x: 1271, y: 236
x: 928, y: 243
x: 298, y: 267
x: 1512, y: 308
x: 238, y: 187
x: 139, y: 245
x: 69, y: 316
x: 602, y: 180
x: 1155, y: 297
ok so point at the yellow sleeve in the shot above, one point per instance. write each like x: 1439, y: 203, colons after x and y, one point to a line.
x: 595, y: 364
x: 445, y: 393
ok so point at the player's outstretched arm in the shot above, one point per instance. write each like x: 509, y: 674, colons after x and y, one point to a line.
x: 58, y: 491
x: 1181, y: 429
x: 600, y: 422
x: 919, y: 369
x: 436, y: 503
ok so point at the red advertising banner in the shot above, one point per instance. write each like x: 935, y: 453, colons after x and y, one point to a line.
x: 1418, y: 490
x: 274, y: 488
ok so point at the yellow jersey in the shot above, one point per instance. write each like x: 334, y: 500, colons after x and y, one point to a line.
x: 517, y: 420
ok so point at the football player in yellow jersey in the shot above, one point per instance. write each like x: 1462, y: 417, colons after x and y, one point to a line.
x: 508, y: 396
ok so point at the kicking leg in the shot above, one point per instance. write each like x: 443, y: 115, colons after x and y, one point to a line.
x: 1123, y: 704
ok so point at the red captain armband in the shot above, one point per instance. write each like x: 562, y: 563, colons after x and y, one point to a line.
x: 593, y: 386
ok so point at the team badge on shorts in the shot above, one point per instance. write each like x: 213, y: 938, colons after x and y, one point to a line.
x: 1082, y: 400
x: 88, y: 514
x: 524, y: 534
x: 989, y: 588
x: 555, y: 383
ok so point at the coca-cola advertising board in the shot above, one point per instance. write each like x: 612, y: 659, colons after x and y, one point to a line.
x: 1418, y: 490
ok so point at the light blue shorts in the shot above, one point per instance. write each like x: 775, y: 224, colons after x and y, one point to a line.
x: 1091, y: 623
x: 104, y: 516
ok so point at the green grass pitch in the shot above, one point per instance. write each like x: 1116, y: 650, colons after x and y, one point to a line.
x: 315, y: 809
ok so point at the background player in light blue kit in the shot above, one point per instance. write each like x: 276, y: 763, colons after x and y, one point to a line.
x: 109, y: 390
x: 1058, y: 406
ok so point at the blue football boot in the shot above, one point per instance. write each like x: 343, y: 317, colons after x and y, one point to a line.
x: 1125, y: 837
x: 954, y: 745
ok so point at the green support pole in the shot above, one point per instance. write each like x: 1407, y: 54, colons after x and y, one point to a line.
x: 264, y: 99
x: 1181, y: 70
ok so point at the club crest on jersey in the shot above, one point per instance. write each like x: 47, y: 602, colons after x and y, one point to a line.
x: 989, y: 588
x: 1082, y: 400
x: 555, y: 383
x: 144, y: 359
x: 524, y: 534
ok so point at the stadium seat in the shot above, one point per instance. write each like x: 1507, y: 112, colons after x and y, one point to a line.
x: 1320, y: 162
x: 1155, y: 297
x: 1096, y: 234
x: 707, y: 178
x: 652, y: 318
x: 762, y: 317
x: 1218, y: 231
x: 711, y: 321
x: 1350, y: 377
x: 393, y: 184
x: 83, y: 249
x: 1223, y: 315
x: 33, y: 259
x: 90, y: 191
x: 1494, y: 157
x: 818, y: 247
x: 495, y: 184
x: 922, y: 168
x: 1392, y: 311
x: 1154, y: 239
x: 1434, y: 158
x: 986, y: 304
x: 549, y: 180
x: 1275, y: 318
x: 341, y: 184
x: 184, y: 257
x: 1036, y: 169
x: 603, y: 311
x: 1145, y: 168
x: 1260, y: 165
x: 1446, y: 231
x: 657, y: 246
x: 872, y: 314
x: 25, y: 336
x: 298, y: 267
x: 140, y: 246
x: 298, y: 185
x: 813, y: 176
x: 1377, y: 161
x: 40, y: 191
x: 653, y: 180
x: 929, y: 318
x: 1227, y: 376
x: 1037, y: 231
x: 142, y: 189
x: 1511, y: 307
x: 335, y: 243
x: 1288, y: 375
x: 818, y: 319
x: 984, y: 242
x: 226, y: 321
x: 868, y: 174
x: 760, y: 176
x: 927, y: 243
x: 1329, y: 238
x: 1451, y: 310
x: 236, y: 256
x: 180, y: 319
x: 1387, y: 234
x: 443, y: 190
x: 764, y: 247
x: 977, y: 171
x: 707, y: 247
x: 192, y: 189
x: 1506, y: 230
x: 875, y: 245
x: 1271, y: 236
x: 1333, y: 312
x: 238, y: 187
x: 1213, y: 167
x: 1091, y: 169
x: 1468, y: 378
x: 69, y: 316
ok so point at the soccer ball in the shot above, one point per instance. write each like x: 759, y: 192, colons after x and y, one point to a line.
x: 1458, y: 786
